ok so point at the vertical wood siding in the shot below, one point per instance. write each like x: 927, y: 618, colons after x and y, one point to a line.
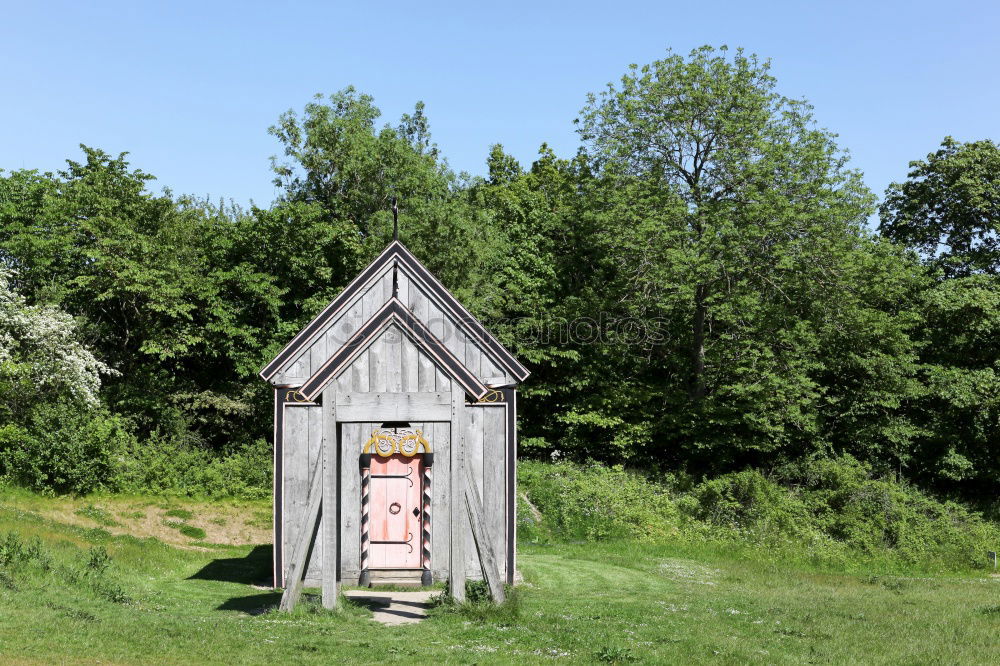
x: 301, y: 452
x: 393, y: 363
x: 486, y: 455
x: 352, y: 438
x: 441, y: 500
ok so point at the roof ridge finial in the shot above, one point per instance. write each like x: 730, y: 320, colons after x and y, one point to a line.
x: 395, y: 220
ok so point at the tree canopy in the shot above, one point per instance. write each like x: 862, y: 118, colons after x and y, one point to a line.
x: 696, y: 290
x: 948, y: 209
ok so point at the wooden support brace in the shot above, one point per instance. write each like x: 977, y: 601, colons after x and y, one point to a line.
x: 456, y: 559
x: 487, y: 559
x: 331, y: 508
x: 307, y: 533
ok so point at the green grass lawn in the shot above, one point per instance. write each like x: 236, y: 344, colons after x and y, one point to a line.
x: 62, y: 601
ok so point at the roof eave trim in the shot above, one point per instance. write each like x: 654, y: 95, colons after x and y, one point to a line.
x: 393, y: 312
x: 397, y: 251
x: 317, y: 323
x: 465, y: 318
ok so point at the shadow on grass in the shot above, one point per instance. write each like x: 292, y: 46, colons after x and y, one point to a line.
x: 254, y: 569
x: 252, y: 604
x: 388, y: 605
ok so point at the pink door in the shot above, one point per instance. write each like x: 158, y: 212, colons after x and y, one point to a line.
x: 394, y: 536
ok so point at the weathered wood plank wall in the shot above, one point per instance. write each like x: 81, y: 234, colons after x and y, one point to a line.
x: 301, y: 452
x: 394, y: 364
x: 485, y: 432
x: 486, y: 441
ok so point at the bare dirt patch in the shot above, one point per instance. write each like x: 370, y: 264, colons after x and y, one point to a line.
x: 179, y: 522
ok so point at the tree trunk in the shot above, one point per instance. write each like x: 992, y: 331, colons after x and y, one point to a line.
x: 698, y: 343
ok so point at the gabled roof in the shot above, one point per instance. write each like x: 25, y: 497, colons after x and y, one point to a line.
x: 313, y: 328
x: 397, y: 252
x: 393, y: 312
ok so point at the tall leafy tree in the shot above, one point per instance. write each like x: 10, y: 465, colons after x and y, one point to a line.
x: 339, y: 172
x: 542, y: 284
x: 734, y: 221
x: 959, y: 411
x: 948, y: 208
x: 948, y: 211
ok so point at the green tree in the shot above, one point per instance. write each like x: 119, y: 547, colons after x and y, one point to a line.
x: 733, y: 222
x: 339, y: 173
x: 959, y: 412
x: 155, y: 286
x: 336, y: 156
x: 543, y: 282
x: 721, y: 143
x: 948, y: 209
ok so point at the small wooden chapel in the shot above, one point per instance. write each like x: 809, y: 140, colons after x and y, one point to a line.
x: 395, y: 440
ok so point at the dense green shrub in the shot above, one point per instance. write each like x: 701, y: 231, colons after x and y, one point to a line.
x: 164, y: 465
x: 597, y: 502
x: 65, y: 449
x: 243, y: 472
x: 744, y: 501
x: 874, y: 515
x: 78, y: 450
x: 826, y: 510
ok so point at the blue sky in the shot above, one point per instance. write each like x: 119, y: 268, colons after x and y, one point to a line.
x: 189, y: 89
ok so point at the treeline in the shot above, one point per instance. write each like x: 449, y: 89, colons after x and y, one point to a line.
x: 696, y: 290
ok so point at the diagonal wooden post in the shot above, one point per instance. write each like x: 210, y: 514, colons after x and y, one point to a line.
x: 307, y: 533
x: 487, y: 559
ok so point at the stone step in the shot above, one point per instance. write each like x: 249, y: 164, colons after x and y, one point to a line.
x: 402, y: 577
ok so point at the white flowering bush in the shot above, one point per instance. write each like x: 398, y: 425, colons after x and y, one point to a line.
x: 41, y: 353
x: 54, y: 433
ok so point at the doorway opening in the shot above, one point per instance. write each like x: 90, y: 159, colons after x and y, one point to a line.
x: 396, y: 511
x: 395, y: 506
